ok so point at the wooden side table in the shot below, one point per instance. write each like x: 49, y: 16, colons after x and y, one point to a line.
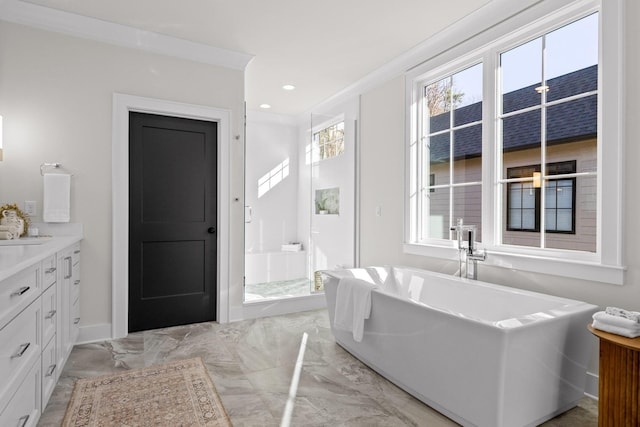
x: 619, y: 383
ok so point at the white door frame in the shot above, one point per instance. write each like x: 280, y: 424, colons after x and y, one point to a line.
x: 122, y: 105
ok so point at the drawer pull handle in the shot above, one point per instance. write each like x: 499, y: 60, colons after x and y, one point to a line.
x: 21, y: 350
x: 50, y: 314
x: 50, y: 270
x: 52, y: 368
x: 20, y: 291
x: 76, y: 282
x: 76, y: 320
x: 69, y: 267
x: 23, y: 421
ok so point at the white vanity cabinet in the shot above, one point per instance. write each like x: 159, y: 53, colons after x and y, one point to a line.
x: 37, y: 329
x: 69, y: 299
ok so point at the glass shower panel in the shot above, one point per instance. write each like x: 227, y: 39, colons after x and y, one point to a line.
x: 275, y: 258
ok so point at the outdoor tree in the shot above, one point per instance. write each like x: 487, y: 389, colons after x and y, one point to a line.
x: 442, y: 97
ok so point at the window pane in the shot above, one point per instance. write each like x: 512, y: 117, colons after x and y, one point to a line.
x: 521, y: 140
x: 439, y: 153
x: 515, y: 196
x: 439, y: 214
x: 521, y: 70
x: 564, y: 195
x: 564, y: 218
x: 573, y: 121
x: 571, y: 62
x: 515, y: 219
x: 467, y: 95
x: 467, y: 204
x: 467, y: 144
x: 528, y: 219
x: 528, y: 196
x: 551, y: 195
x: 439, y: 101
x: 550, y: 219
x: 577, y: 226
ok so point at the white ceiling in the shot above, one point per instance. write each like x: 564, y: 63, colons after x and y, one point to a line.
x: 321, y: 47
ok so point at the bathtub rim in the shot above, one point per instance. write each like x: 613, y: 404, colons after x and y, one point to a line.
x: 568, y: 306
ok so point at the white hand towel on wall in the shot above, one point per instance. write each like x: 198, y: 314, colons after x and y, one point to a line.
x: 57, y: 197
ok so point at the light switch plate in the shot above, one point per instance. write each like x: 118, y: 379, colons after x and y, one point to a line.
x: 30, y: 207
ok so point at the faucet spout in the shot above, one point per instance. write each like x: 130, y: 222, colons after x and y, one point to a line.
x: 466, y: 235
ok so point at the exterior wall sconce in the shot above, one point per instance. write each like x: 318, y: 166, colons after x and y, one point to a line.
x: 536, y: 180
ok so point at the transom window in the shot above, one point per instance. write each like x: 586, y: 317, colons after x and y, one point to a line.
x: 328, y: 142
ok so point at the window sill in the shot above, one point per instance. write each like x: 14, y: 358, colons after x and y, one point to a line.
x: 576, y: 269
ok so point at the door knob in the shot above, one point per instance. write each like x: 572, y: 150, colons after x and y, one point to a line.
x: 211, y: 230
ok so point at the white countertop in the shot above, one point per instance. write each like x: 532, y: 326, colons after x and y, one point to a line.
x: 13, y: 259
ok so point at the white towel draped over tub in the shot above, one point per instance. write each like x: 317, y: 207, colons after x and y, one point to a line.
x: 353, y: 305
x: 57, y: 197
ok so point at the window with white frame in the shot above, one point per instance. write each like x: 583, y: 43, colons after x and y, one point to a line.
x: 453, y: 137
x: 509, y: 140
x: 328, y: 142
x: 548, y: 113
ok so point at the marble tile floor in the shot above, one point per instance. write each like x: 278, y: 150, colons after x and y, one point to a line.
x: 251, y: 363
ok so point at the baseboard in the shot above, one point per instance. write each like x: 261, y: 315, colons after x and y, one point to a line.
x: 591, y: 387
x: 93, y: 333
x: 254, y: 310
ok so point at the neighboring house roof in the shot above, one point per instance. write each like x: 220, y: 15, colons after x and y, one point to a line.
x: 566, y: 122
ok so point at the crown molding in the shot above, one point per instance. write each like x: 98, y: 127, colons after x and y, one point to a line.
x: 49, y: 19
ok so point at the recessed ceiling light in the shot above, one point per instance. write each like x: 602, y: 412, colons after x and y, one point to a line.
x: 288, y: 87
x: 265, y: 106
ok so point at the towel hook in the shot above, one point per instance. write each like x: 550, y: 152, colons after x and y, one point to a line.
x: 49, y: 165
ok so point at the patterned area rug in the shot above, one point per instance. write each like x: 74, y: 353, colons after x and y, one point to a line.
x: 174, y: 394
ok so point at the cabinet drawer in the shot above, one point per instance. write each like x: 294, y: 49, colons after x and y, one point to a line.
x: 17, y: 292
x: 49, y: 268
x: 24, y: 407
x: 49, y: 313
x: 19, y: 346
x: 49, y: 371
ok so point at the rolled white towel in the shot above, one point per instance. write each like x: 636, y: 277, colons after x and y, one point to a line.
x: 625, y: 332
x: 6, y: 235
x: 620, y: 312
x: 601, y: 318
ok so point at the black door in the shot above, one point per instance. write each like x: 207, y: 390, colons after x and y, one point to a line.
x: 172, y: 218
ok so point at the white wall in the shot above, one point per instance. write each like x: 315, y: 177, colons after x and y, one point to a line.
x: 56, y: 95
x: 274, y: 218
x: 382, y: 175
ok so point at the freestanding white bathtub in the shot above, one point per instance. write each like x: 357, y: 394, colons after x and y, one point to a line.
x: 482, y: 354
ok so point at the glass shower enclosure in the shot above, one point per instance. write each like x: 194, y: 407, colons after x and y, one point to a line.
x: 299, y: 203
